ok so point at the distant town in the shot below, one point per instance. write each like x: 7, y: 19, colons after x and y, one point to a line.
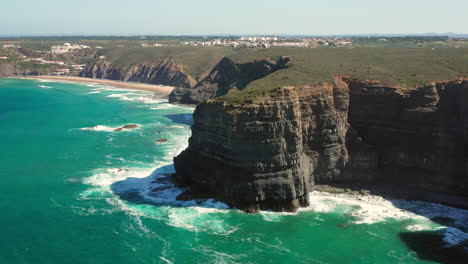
x: 238, y: 42
x: 267, y: 42
x: 70, y: 55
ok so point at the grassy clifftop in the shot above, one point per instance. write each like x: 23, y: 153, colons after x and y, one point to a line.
x: 408, y: 67
x: 195, y: 60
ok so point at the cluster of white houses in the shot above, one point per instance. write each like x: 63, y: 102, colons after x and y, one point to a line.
x: 42, y: 61
x: 5, y: 46
x: 67, y: 47
x: 267, y: 42
x: 62, y: 71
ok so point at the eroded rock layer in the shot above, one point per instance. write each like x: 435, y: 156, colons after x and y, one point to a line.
x: 163, y: 72
x: 268, y: 154
x: 11, y: 69
x: 224, y: 76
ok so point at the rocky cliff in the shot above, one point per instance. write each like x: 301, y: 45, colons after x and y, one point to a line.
x: 163, y: 72
x: 226, y: 75
x: 270, y: 153
x: 11, y: 69
x: 103, y: 70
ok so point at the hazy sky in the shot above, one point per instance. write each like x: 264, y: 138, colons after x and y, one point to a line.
x: 200, y: 17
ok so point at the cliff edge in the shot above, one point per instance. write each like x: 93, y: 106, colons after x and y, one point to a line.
x: 268, y: 154
x: 227, y: 75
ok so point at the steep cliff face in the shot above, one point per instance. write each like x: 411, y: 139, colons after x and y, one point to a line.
x: 250, y: 157
x: 417, y: 134
x: 163, y: 72
x: 10, y: 69
x: 226, y: 75
x: 268, y: 155
x: 103, y: 70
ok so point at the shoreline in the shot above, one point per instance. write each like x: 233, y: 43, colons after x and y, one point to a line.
x: 394, y: 191
x: 117, y: 84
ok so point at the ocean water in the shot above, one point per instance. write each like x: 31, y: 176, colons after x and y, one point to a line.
x: 75, y: 191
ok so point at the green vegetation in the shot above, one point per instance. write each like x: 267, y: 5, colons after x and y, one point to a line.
x: 408, y: 67
x: 44, y: 43
x: 195, y: 60
x: 406, y: 61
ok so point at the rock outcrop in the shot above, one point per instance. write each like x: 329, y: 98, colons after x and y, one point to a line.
x: 224, y: 76
x: 103, y: 70
x: 126, y: 127
x: 11, y: 69
x: 269, y: 154
x: 163, y: 72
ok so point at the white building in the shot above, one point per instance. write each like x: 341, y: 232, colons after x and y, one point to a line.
x: 67, y: 47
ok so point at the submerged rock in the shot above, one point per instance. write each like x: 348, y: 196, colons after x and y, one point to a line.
x: 126, y: 127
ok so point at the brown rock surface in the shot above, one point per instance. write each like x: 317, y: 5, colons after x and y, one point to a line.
x: 126, y: 127
x: 224, y: 76
x: 163, y: 72
x: 269, y: 154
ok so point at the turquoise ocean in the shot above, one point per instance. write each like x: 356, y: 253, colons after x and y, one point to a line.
x: 72, y: 190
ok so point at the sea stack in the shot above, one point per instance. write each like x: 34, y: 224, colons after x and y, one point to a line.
x: 269, y: 153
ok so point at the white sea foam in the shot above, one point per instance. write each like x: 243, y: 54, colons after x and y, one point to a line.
x: 166, y: 105
x: 219, y: 257
x: 44, y: 86
x: 95, y: 92
x: 177, y: 126
x: 369, y: 209
x: 46, y: 81
x: 103, y: 128
x: 419, y: 227
x: 166, y: 260
x: 136, y: 97
x: 141, y: 184
x: 99, y: 128
x: 149, y: 187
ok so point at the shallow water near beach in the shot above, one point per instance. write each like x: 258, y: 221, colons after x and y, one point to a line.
x: 73, y: 190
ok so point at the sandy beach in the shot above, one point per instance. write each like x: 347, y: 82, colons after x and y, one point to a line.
x: 118, y: 84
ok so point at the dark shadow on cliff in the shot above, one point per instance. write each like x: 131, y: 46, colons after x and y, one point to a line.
x: 163, y: 191
x: 184, y: 119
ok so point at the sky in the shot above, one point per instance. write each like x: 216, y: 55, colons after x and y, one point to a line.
x: 211, y: 17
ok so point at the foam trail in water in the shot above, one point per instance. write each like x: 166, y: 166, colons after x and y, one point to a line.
x: 99, y: 128
x: 107, y: 128
x: 369, y: 209
x: 145, y: 192
x: 144, y: 97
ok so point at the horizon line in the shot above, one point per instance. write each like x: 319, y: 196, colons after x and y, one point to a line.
x: 429, y: 34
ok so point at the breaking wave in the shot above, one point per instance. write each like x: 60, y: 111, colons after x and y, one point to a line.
x: 370, y: 209
x: 103, y: 128
x: 137, y: 97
